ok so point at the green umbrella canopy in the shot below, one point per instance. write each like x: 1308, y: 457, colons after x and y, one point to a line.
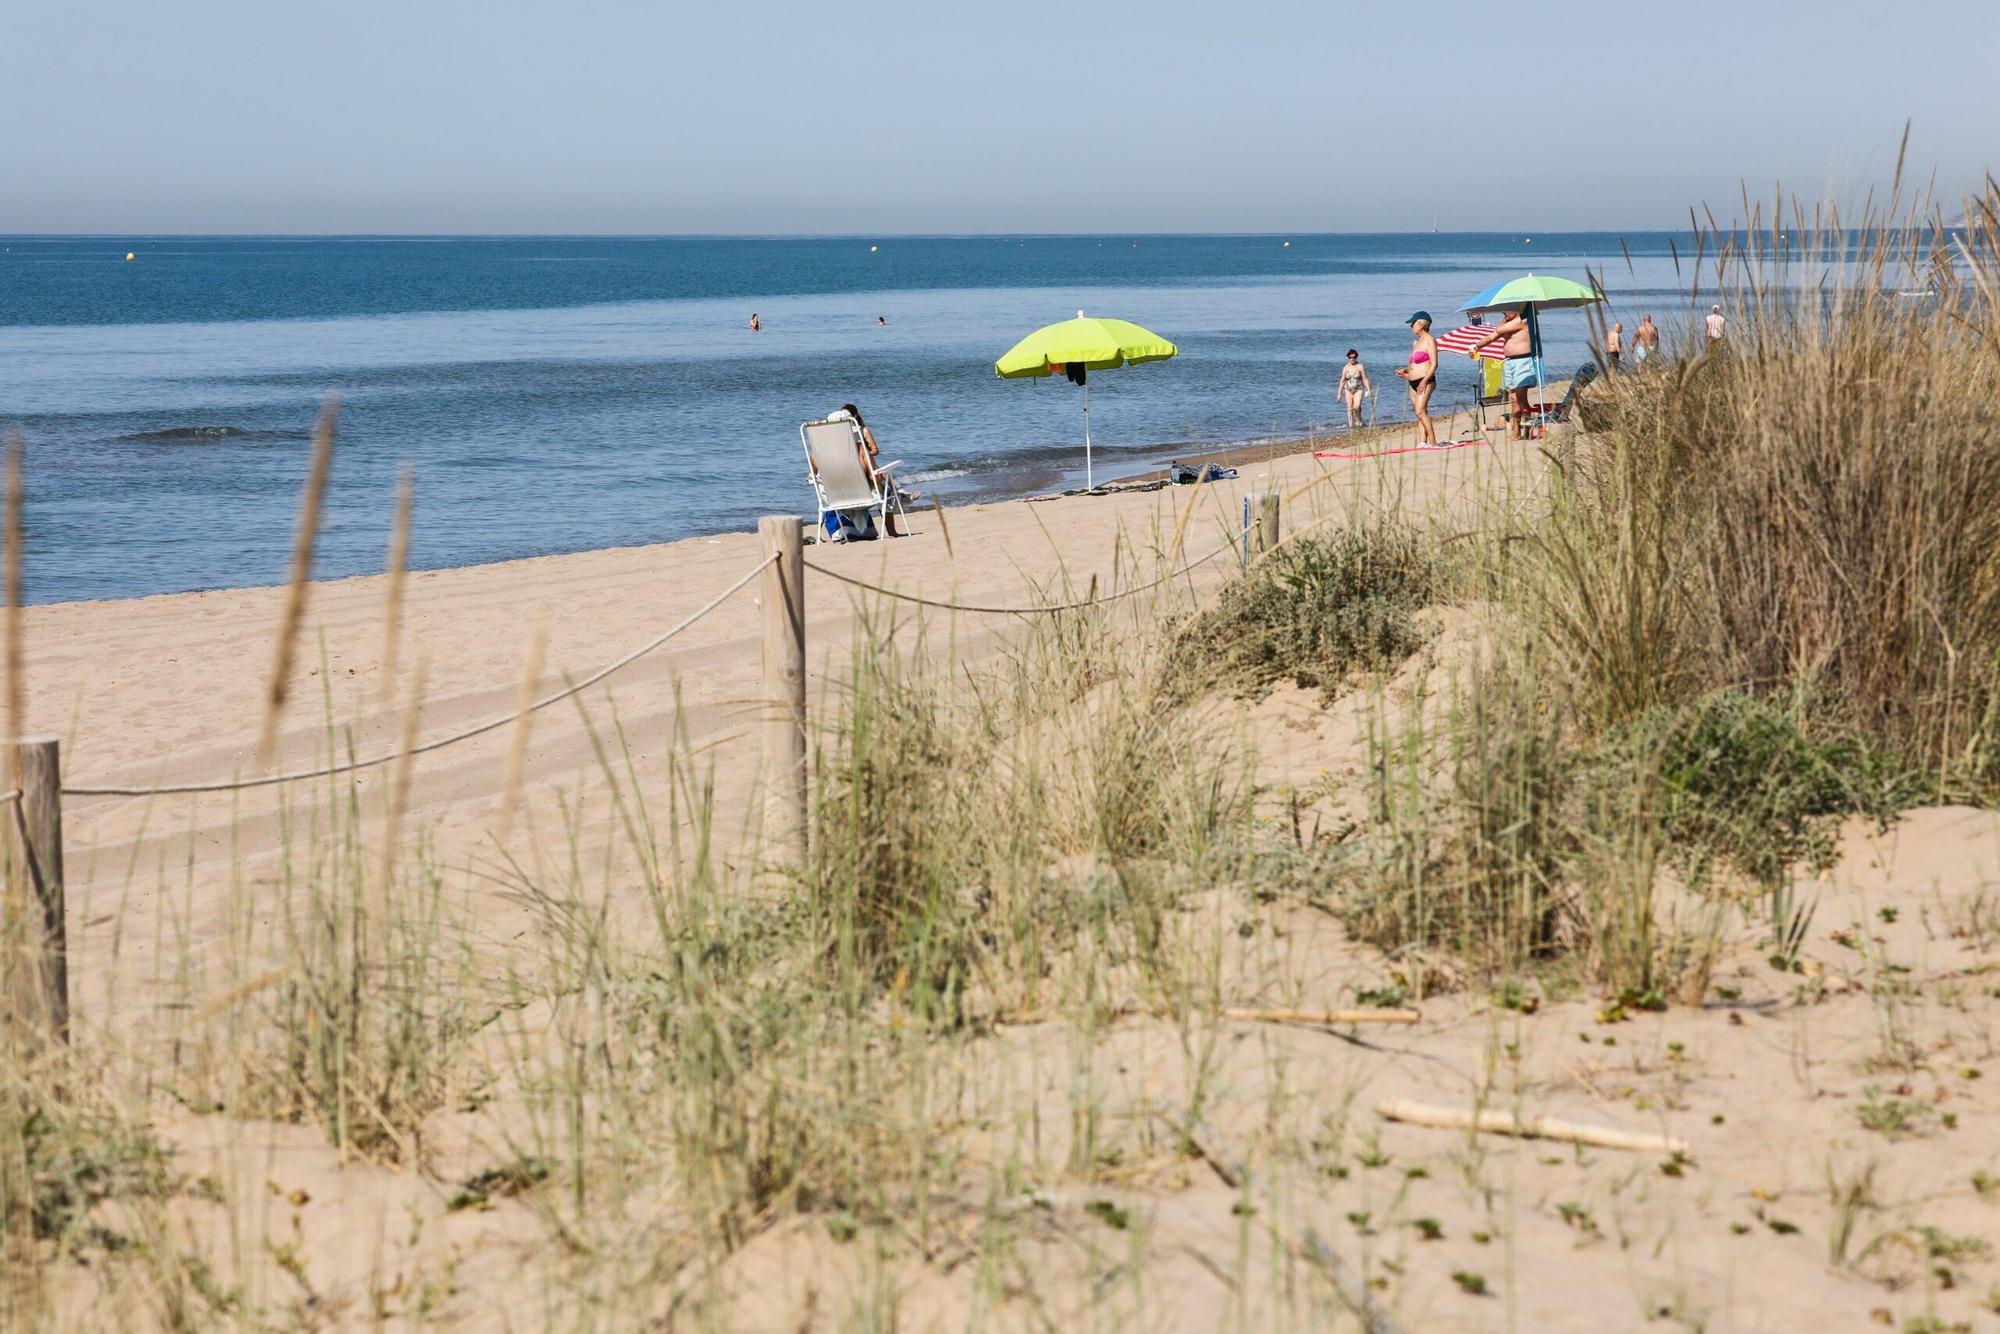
x: 1544, y: 293
x: 1101, y: 345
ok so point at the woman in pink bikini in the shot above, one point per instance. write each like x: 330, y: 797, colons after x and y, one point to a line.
x: 1421, y: 375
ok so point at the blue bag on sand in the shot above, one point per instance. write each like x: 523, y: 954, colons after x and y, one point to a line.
x: 1182, y: 474
x: 845, y: 526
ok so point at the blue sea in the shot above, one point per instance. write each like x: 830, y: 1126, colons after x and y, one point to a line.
x: 564, y: 393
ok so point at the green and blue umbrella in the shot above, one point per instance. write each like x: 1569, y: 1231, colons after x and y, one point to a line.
x: 1533, y: 290
x: 1537, y: 293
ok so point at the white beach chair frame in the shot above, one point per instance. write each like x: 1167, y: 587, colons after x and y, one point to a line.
x: 840, y: 482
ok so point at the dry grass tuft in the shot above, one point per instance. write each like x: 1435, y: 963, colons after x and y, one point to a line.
x: 1819, y: 505
x: 392, y: 598
x: 296, y: 582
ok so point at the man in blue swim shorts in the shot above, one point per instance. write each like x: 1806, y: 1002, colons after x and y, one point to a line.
x: 1520, y: 373
x: 1646, y: 340
x: 1522, y: 369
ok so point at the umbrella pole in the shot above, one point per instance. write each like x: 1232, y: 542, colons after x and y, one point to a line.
x: 1541, y: 390
x: 1088, y: 483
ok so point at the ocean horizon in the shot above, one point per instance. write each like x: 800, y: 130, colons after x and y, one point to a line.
x: 565, y: 393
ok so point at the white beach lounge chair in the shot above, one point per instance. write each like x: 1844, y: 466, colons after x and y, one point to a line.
x: 840, y: 481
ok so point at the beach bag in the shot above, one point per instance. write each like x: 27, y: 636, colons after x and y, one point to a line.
x: 847, y: 526
x: 1183, y: 474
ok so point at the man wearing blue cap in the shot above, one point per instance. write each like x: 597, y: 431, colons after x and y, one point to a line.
x: 1521, y: 370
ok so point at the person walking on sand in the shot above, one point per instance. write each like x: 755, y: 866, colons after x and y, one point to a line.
x: 1645, y: 341
x: 1614, y: 344
x: 1715, y: 326
x: 1354, y: 387
x: 755, y: 323
x: 1421, y: 375
x: 1520, y: 369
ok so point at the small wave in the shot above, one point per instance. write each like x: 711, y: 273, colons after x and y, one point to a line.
x: 204, y: 435
x: 936, y: 474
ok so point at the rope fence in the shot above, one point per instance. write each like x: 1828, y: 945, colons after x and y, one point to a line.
x: 492, y: 724
x: 1265, y: 527
x: 576, y: 688
x: 38, y: 798
x: 480, y: 729
x: 1040, y: 609
x: 1265, y: 524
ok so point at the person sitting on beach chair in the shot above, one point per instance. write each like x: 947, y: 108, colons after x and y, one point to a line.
x: 871, y: 463
x: 852, y: 488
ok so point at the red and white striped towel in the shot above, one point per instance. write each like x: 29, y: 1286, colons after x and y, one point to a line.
x: 1461, y: 339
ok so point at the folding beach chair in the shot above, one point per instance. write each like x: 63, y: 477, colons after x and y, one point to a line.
x: 1489, y: 360
x: 1542, y: 414
x: 840, y: 481
x: 1490, y: 393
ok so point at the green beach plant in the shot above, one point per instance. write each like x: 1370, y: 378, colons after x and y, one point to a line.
x: 1322, y: 610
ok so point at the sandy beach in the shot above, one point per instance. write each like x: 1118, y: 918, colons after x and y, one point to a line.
x: 1341, y: 1219
x: 167, y: 690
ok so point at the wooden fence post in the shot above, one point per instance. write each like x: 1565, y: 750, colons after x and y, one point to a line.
x: 40, y: 937
x: 782, y: 592
x: 1264, y: 533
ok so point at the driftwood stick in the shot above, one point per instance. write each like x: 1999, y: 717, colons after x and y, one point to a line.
x: 1528, y: 1127
x: 1321, y: 1018
x: 1242, y: 1014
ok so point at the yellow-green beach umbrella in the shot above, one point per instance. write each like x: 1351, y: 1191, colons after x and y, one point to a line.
x: 1100, y: 344
x: 1085, y: 344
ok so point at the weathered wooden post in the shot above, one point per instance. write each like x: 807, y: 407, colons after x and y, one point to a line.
x: 40, y: 939
x: 782, y: 592
x: 1265, y: 531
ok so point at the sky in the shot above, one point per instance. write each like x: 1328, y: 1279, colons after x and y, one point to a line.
x: 775, y: 116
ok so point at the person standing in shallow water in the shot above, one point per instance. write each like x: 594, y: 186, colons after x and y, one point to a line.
x: 1614, y: 345
x: 755, y: 323
x: 1354, y: 387
x: 1421, y: 375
